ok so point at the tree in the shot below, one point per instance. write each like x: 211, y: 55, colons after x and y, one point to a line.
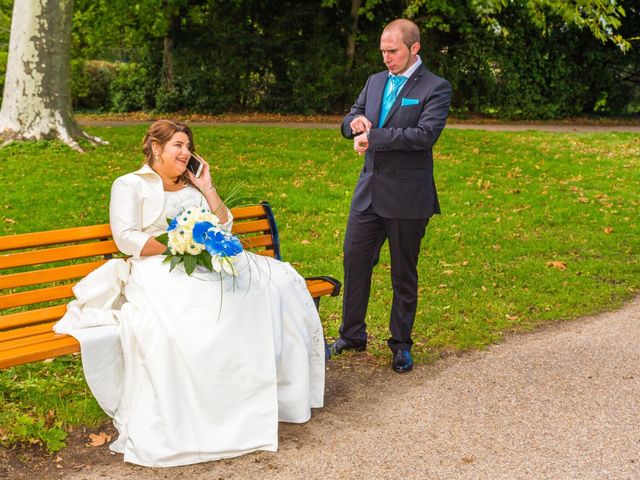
x: 601, y: 18
x: 36, y: 102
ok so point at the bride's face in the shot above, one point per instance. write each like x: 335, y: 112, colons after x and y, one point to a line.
x: 173, y: 157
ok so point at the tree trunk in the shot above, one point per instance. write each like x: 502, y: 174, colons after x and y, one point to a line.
x: 37, y: 94
x: 173, y: 20
x: 167, y: 64
x: 351, y: 35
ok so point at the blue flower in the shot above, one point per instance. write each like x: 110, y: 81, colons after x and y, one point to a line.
x: 172, y: 225
x: 222, y: 244
x: 232, y: 246
x: 201, y: 231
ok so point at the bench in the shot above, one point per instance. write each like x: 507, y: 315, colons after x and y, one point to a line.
x: 38, y: 271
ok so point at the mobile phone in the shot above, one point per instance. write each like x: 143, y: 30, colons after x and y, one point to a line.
x: 194, y: 165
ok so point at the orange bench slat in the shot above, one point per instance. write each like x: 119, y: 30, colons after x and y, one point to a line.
x: 252, y: 211
x: 32, y: 317
x: 57, y: 346
x: 56, y: 254
x: 251, y: 227
x: 25, y: 332
x: 320, y: 288
x: 36, y: 296
x: 52, y: 237
x: 36, y: 277
x: 257, y: 241
x: 29, y: 340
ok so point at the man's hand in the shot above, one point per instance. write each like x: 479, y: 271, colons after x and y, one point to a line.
x: 360, y: 124
x: 361, y: 143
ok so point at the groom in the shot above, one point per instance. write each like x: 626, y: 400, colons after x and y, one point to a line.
x: 395, y: 122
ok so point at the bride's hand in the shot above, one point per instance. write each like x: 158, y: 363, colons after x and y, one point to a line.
x: 203, y: 182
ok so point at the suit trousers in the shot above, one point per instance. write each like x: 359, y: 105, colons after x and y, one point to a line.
x: 365, y: 235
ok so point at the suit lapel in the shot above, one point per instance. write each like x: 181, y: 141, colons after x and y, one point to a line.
x: 405, y: 90
x: 377, y: 90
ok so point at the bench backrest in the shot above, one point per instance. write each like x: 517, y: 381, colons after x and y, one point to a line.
x: 38, y: 270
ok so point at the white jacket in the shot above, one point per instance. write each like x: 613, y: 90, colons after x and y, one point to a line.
x: 137, y: 200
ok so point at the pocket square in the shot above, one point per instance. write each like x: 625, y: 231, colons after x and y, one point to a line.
x: 409, y: 101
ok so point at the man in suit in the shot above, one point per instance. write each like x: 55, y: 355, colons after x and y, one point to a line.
x: 395, y: 122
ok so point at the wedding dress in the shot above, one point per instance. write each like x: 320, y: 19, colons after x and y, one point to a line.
x: 202, y: 367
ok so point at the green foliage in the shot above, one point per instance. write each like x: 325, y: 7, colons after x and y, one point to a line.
x: 215, y: 56
x: 27, y: 430
x: 133, y: 88
x: 39, y: 402
x: 91, y: 82
x: 601, y: 18
x: 518, y: 71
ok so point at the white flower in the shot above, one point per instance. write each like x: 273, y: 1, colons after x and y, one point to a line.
x: 180, y: 239
x: 194, y: 248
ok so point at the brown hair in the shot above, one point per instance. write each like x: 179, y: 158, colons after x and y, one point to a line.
x: 408, y: 29
x: 160, y: 132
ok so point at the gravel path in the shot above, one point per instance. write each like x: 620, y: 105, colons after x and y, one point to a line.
x: 561, y: 403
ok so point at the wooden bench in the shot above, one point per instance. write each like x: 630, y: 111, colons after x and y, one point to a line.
x: 38, y: 270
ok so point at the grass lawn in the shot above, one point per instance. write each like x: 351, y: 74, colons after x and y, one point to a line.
x: 536, y: 227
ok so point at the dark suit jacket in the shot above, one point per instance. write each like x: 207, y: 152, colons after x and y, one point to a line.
x: 397, y: 177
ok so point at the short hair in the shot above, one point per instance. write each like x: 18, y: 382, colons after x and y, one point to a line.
x: 408, y: 29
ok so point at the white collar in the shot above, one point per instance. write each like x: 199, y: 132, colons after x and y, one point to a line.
x: 409, y: 71
x: 146, y: 170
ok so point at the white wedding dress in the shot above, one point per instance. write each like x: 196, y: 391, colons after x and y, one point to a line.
x: 200, y: 368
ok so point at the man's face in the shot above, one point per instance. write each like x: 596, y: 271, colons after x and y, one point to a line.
x: 395, y: 53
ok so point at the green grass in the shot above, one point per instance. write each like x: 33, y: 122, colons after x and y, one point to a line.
x: 512, y: 204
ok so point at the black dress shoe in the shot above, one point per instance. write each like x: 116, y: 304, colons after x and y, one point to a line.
x: 402, y: 361
x: 341, y: 345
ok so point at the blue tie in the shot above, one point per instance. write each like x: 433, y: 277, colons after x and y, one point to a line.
x: 393, y: 86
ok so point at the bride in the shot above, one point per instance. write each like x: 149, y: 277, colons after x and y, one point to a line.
x: 191, y: 368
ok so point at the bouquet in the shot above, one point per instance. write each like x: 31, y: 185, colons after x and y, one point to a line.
x: 196, y: 237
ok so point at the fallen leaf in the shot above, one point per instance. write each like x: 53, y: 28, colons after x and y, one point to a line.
x: 608, y: 230
x: 557, y: 264
x: 511, y: 317
x: 448, y: 272
x: 50, y: 419
x: 465, y: 263
x: 98, y: 440
x: 58, y: 459
x: 442, y: 285
x: 10, y: 220
x: 305, y: 242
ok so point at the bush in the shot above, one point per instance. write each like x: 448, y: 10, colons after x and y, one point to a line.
x: 90, y: 83
x: 133, y: 88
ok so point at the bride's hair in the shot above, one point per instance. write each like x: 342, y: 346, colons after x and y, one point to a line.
x: 160, y: 132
